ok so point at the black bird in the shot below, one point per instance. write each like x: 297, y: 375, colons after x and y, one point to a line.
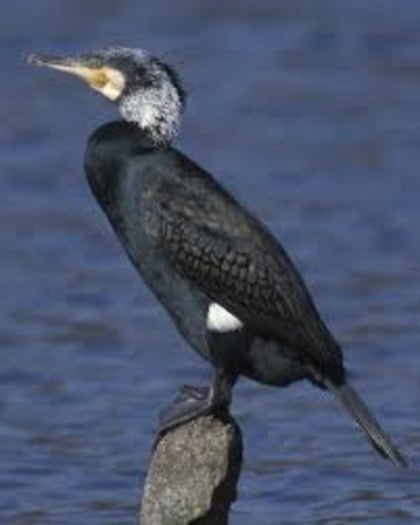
x: 227, y: 283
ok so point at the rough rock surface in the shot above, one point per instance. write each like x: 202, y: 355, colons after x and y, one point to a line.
x: 193, y: 474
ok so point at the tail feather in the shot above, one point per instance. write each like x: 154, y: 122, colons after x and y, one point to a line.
x: 367, y: 423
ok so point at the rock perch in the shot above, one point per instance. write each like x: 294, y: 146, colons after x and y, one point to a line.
x: 193, y: 474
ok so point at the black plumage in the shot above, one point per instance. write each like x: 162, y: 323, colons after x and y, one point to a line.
x: 160, y: 198
x: 196, y: 246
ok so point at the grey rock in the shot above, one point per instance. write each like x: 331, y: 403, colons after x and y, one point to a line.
x: 193, y: 474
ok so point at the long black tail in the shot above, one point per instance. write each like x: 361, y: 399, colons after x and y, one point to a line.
x: 367, y: 423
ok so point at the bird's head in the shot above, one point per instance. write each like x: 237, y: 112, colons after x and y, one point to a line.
x: 146, y: 90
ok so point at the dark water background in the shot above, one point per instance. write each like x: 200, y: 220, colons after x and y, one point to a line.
x: 310, y: 112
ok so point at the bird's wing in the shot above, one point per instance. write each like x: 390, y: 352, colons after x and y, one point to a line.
x: 230, y: 257
x: 236, y: 277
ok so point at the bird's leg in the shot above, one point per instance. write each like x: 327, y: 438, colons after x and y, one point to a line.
x: 193, y: 402
x: 227, y: 343
x: 220, y: 394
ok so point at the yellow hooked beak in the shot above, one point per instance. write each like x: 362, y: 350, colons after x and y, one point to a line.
x: 107, y: 80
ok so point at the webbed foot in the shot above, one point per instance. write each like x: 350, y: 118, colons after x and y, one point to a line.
x: 190, y: 403
x: 193, y: 402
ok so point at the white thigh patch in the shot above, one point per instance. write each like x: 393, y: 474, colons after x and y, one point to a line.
x: 220, y: 320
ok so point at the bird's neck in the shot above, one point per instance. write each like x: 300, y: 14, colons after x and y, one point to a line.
x: 156, y: 112
x: 107, y: 155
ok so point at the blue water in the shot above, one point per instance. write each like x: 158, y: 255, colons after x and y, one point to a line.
x: 310, y: 113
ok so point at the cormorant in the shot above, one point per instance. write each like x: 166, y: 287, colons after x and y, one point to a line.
x: 228, y: 284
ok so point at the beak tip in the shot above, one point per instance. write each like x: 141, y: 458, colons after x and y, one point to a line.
x: 33, y: 59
